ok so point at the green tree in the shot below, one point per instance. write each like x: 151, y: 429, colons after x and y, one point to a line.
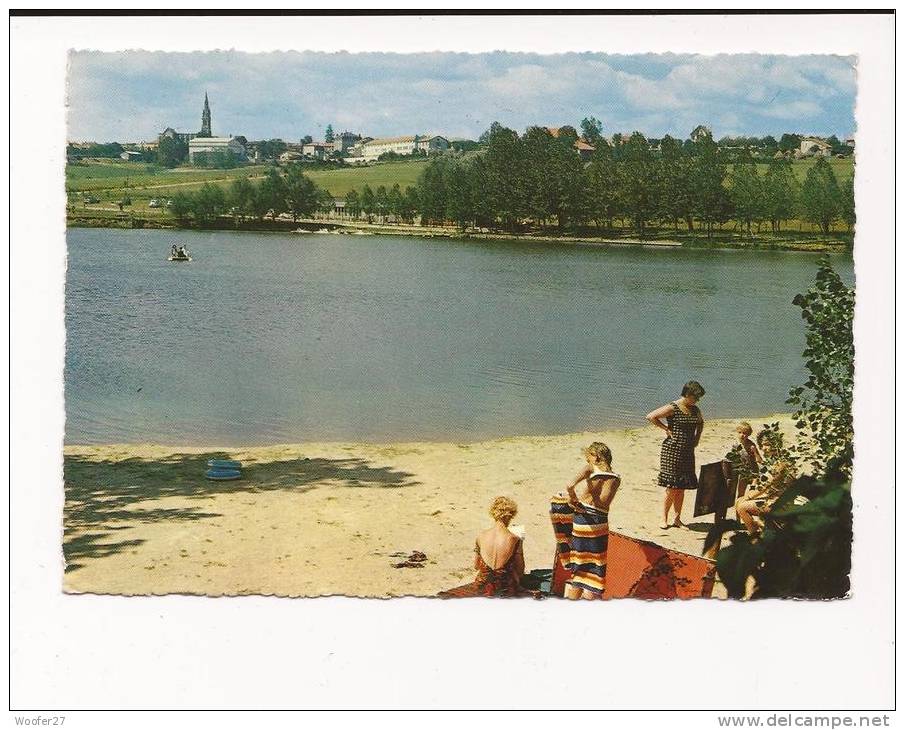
x: 591, y: 130
x: 746, y: 192
x: 676, y: 193
x: 353, y: 204
x: 368, y: 203
x: 539, y: 173
x: 459, y: 193
x: 820, y: 196
x: 259, y: 203
x: 328, y: 133
x: 411, y: 203
x: 302, y: 195
x: 395, y: 201
x: 324, y: 200
x: 208, y: 204
x: 432, y: 191
x: 824, y: 403
x: 182, y: 206
x: 240, y: 196
x: 381, y: 201
x: 270, y: 149
x: 789, y: 142
x: 781, y: 193
x: 486, y: 136
x: 272, y: 190
x: 638, y: 183
x: 708, y: 173
x: 504, y: 175
x: 847, y: 203
x: 567, y: 136
x: 603, y: 185
x: 171, y: 152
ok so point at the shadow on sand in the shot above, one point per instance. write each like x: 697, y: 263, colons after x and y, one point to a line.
x: 105, y: 496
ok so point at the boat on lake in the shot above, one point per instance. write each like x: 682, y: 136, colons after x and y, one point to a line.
x: 179, y: 254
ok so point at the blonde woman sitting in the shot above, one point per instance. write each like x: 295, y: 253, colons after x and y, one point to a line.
x: 498, y: 557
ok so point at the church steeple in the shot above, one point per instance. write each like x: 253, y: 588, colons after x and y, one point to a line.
x: 206, y: 119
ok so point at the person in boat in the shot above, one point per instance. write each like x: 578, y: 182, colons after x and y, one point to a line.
x: 173, y: 252
x: 776, y: 476
x: 589, y: 533
x: 183, y: 253
x: 684, y: 425
x: 499, y: 559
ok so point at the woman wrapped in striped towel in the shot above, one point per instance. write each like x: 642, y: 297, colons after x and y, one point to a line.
x: 587, y: 540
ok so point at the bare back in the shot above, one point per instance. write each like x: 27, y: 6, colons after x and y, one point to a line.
x: 496, y: 547
x: 600, y: 489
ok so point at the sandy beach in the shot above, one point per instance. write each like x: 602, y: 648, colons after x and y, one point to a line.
x: 318, y: 519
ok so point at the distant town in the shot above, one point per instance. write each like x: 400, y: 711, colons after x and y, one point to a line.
x: 205, y: 149
x: 795, y: 191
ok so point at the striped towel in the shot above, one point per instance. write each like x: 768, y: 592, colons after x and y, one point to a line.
x: 561, y: 516
x: 587, y: 559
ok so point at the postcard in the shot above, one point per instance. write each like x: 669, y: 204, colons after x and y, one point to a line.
x: 575, y: 334
x: 311, y: 342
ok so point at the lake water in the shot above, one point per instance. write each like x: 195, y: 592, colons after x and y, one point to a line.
x: 268, y: 338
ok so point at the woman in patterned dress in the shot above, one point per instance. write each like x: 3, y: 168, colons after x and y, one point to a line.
x: 683, y: 426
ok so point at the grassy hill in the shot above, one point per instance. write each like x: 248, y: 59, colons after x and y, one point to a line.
x: 111, y: 180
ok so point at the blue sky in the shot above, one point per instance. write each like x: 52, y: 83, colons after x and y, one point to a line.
x: 132, y: 96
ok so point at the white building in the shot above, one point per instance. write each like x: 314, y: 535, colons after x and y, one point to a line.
x: 407, y: 145
x: 342, y: 143
x: 216, y: 144
x: 317, y: 150
x: 812, y: 147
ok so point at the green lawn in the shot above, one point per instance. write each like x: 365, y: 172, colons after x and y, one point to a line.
x: 340, y: 182
x: 842, y: 168
x: 119, y: 176
x: 110, y: 180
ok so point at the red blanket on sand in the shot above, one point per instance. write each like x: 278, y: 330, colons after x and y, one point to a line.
x: 641, y: 569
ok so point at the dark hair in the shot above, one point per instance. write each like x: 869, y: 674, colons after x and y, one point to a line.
x: 693, y: 387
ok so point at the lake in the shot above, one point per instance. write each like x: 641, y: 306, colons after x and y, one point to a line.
x: 268, y: 338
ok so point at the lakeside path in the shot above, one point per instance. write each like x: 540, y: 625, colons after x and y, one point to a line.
x: 107, y: 216
x: 319, y: 519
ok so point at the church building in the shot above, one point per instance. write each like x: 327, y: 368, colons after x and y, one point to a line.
x: 206, y: 143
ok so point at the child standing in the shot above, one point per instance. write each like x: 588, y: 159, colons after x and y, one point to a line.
x: 744, y: 458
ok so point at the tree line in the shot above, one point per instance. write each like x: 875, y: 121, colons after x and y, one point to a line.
x: 280, y: 191
x: 538, y: 178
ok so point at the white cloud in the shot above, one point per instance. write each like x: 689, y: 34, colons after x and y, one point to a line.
x: 136, y: 94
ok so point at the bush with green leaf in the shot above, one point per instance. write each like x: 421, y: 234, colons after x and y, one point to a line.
x: 804, y: 548
x: 824, y: 403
